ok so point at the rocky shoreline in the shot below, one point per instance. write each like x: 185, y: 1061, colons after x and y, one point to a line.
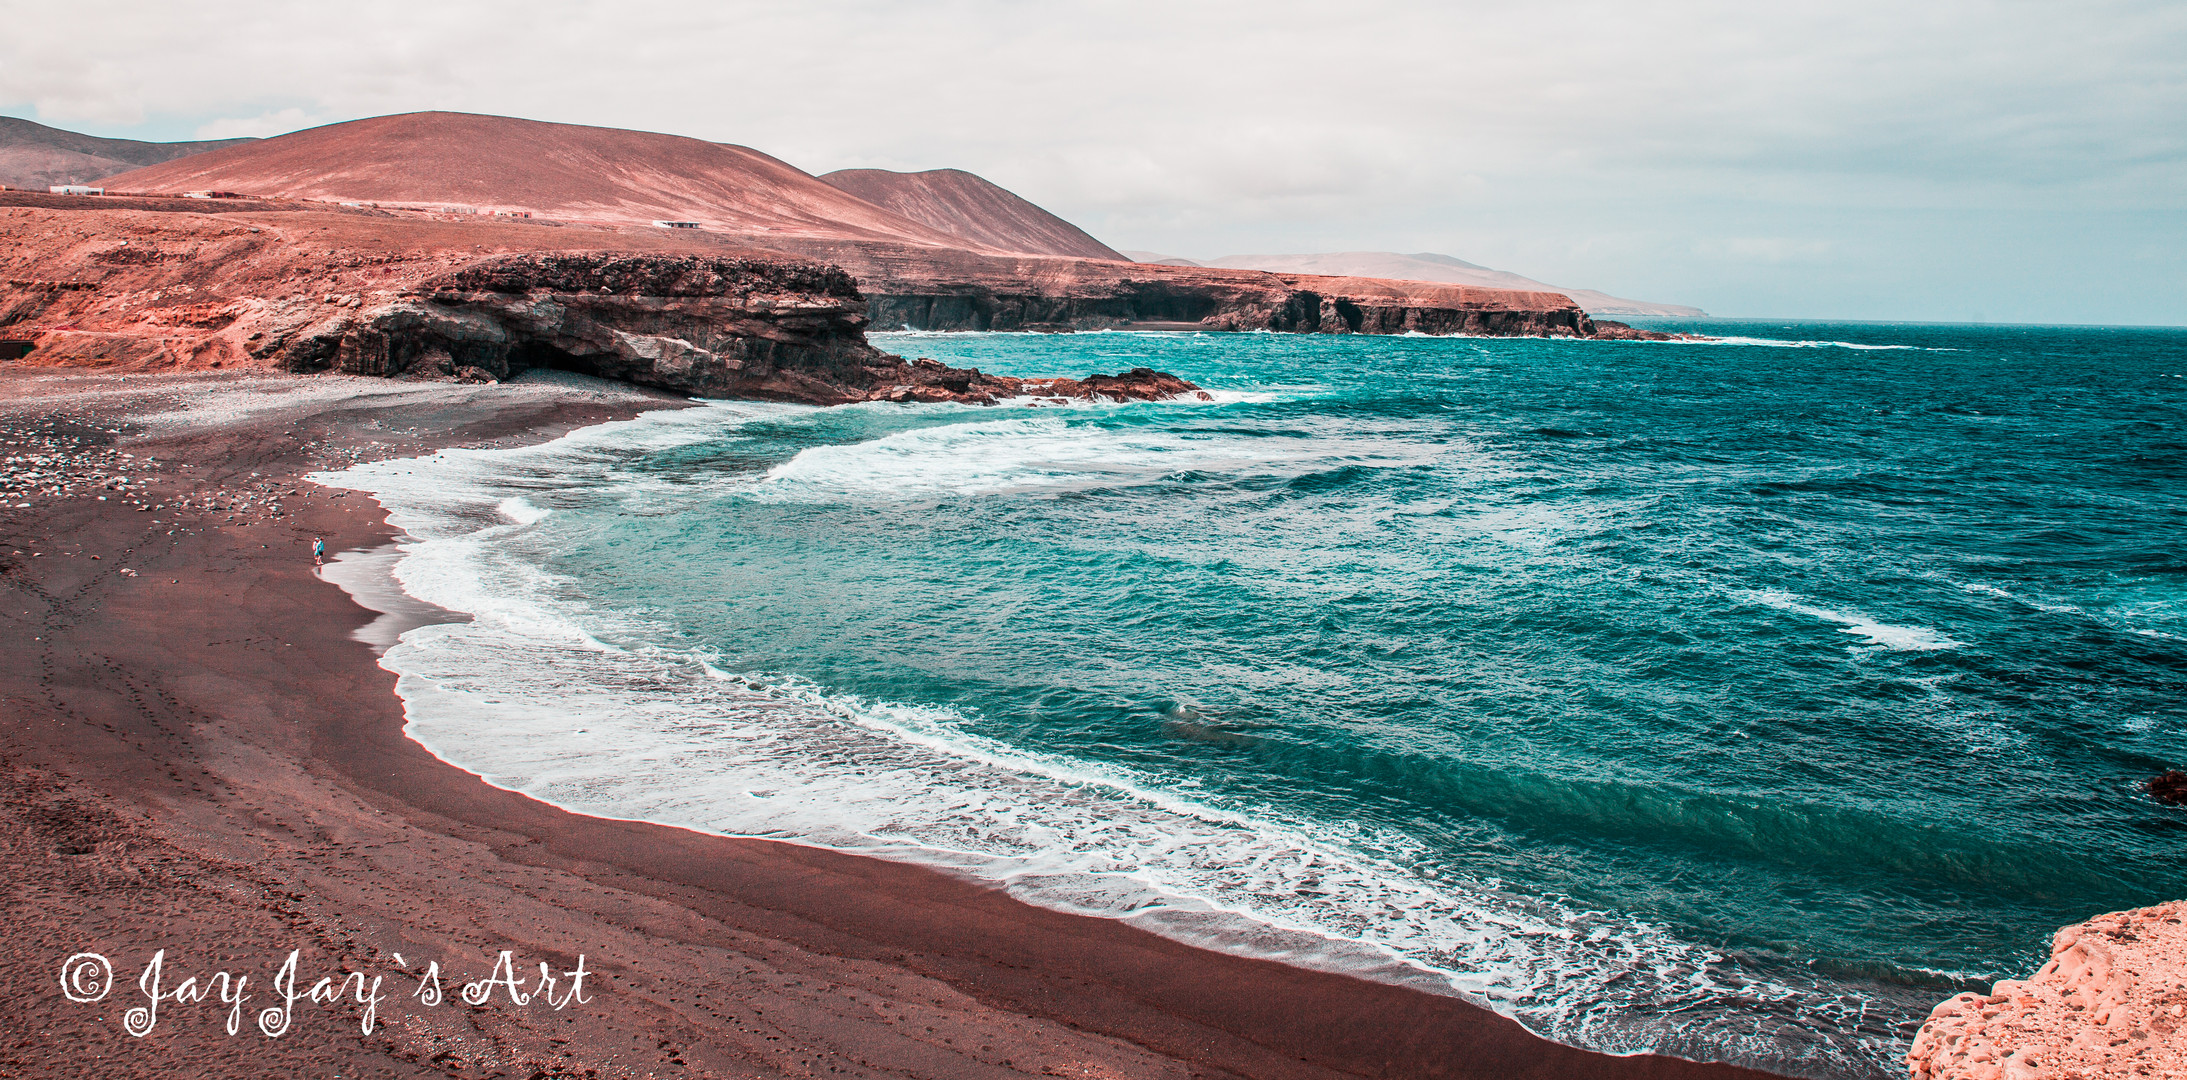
x: 131, y: 290
x: 2111, y: 1003
x: 135, y: 284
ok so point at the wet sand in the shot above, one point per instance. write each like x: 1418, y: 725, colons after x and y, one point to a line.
x: 200, y: 757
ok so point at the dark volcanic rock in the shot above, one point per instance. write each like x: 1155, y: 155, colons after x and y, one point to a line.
x: 709, y: 326
x: 1617, y: 331
x: 714, y: 326
x: 1138, y: 384
x: 2168, y: 787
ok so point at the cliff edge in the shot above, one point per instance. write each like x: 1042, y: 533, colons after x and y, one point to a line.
x: 312, y: 291
x: 2112, y: 1002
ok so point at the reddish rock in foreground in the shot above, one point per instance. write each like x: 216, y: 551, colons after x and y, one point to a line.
x: 301, y: 291
x: 2112, y: 1002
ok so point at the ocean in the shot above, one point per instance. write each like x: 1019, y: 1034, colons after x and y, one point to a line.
x: 1738, y: 700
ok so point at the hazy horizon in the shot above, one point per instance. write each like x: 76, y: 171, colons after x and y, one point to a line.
x: 1966, y: 162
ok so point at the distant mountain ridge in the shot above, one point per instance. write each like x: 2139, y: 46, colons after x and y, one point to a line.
x: 614, y: 176
x: 968, y: 206
x: 569, y: 171
x: 1425, y: 266
x: 35, y: 156
x: 949, y: 251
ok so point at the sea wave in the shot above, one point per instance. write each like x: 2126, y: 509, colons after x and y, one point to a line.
x: 1877, y: 632
x: 2137, y: 612
x: 546, y: 693
x: 1049, y: 453
x: 1779, y: 343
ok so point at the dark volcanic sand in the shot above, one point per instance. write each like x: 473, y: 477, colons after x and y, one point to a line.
x: 200, y: 759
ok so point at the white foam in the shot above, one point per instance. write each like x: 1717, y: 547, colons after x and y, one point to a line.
x: 1776, y: 343
x: 1045, y: 453
x: 1898, y: 638
x: 2132, y: 614
x: 2039, y: 605
x: 368, y: 578
x: 547, y: 694
x: 520, y: 510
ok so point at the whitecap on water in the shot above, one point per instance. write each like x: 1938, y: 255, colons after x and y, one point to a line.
x: 1041, y: 453
x: 1899, y: 638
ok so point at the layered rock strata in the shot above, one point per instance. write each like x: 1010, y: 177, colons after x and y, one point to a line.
x: 314, y: 292
x: 2112, y: 1002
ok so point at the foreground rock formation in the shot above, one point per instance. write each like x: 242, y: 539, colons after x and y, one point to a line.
x: 304, y: 291
x: 2112, y: 1002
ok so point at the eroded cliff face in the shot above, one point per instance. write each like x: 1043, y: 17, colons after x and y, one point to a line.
x: 2111, y: 1003
x: 1279, y: 309
x: 318, y: 292
x: 930, y: 289
x: 712, y: 326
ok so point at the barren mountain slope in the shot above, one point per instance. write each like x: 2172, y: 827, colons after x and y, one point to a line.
x: 563, y: 171
x: 35, y: 156
x: 964, y: 205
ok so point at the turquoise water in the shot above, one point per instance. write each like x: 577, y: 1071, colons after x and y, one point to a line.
x: 1737, y: 700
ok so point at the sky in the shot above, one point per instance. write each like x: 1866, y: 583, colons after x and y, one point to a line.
x: 1946, y: 161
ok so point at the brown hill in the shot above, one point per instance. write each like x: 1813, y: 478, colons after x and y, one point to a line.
x: 565, y: 171
x: 35, y: 156
x: 966, y: 206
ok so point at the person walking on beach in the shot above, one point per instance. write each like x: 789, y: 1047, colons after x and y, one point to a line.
x: 318, y: 550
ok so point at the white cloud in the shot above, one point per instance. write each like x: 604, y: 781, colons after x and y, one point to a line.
x: 257, y: 127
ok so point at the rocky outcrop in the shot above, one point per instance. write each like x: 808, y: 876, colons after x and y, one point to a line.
x: 712, y: 327
x: 2112, y: 1002
x: 317, y: 292
x: 720, y: 326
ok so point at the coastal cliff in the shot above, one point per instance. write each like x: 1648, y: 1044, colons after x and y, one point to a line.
x: 304, y: 291
x: 923, y: 288
x: 2112, y: 1002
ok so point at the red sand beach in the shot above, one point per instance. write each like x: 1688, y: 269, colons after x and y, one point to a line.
x: 200, y: 758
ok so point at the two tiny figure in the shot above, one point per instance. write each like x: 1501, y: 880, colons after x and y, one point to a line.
x: 318, y: 550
